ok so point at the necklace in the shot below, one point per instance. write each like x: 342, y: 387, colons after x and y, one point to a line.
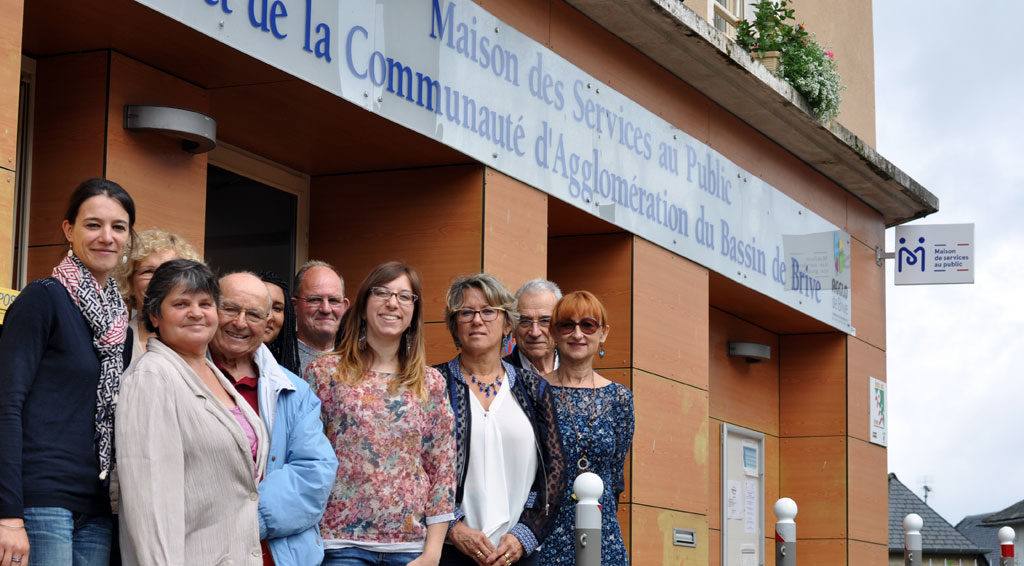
x: 487, y: 389
x: 583, y: 464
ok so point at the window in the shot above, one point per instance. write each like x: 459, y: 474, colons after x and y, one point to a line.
x: 22, y: 174
x: 725, y: 14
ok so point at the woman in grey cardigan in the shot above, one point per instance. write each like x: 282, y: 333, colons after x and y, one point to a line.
x: 190, y: 450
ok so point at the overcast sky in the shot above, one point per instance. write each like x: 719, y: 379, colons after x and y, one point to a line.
x: 948, y: 87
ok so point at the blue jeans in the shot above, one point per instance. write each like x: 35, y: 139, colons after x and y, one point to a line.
x: 359, y: 557
x: 59, y: 537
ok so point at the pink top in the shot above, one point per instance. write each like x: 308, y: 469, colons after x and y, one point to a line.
x: 250, y: 434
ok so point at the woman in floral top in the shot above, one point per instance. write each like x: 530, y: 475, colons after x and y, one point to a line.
x: 388, y: 417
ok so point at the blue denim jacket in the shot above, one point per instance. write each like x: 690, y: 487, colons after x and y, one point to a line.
x: 301, y: 466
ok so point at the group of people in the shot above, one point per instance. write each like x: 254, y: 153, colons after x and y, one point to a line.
x: 152, y: 412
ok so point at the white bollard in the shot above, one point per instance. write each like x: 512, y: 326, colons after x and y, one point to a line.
x: 912, y: 524
x: 1006, y: 537
x: 785, y: 532
x: 588, y: 488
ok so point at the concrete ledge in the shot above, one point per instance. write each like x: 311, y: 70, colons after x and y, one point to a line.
x: 689, y: 47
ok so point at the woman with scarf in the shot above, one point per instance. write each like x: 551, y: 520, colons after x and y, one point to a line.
x: 61, y: 356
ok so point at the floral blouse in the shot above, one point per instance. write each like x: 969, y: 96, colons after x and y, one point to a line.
x: 396, y: 455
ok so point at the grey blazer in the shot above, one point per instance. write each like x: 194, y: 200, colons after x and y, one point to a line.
x: 188, y: 490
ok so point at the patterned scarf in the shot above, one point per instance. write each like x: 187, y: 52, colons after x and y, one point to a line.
x: 107, y: 316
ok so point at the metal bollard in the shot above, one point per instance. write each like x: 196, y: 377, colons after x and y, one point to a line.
x: 1006, y: 537
x: 785, y: 532
x: 912, y: 524
x: 588, y: 488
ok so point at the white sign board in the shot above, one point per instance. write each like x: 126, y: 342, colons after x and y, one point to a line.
x: 456, y: 74
x: 878, y: 402
x: 934, y: 254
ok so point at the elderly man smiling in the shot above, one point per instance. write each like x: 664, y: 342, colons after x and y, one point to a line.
x: 301, y: 465
x: 535, y: 349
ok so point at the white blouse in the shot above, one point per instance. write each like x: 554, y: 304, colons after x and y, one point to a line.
x: 502, y: 464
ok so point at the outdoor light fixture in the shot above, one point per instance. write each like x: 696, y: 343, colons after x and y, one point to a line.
x: 197, y: 131
x: 751, y: 351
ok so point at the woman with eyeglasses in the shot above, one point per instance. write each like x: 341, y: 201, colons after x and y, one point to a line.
x: 509, y: 472
x: 386, y: 413
x: 595, y: 417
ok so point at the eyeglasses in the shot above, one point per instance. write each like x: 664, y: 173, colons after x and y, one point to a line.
x: 588, y: 326
x: 486, y: 314
x: 527, y: 323
x: 254, y: 316
x: 334, y: 302
x: 384, y: 294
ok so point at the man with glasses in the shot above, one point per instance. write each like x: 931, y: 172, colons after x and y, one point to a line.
x: 535, y: 348
x: 319, y: 304
x: 301, y: 464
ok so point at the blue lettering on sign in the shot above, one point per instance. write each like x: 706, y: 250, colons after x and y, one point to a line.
x: 710, y: 176
x: 911, y: 257
x: 223, y: 5
x: 803, y: 283
x: 464, y: 40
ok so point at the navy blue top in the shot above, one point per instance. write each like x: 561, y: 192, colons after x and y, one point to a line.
x: 48, y: 376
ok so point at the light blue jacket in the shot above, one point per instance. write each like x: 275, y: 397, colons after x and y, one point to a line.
x: 301, y: 466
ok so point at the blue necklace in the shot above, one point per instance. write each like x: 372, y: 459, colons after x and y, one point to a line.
x: 487, y: 389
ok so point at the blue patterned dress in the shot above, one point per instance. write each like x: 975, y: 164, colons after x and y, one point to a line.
x: 606, y: 442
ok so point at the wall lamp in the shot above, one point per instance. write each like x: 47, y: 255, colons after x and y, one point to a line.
x: 751, y: 351
x: 197, y: 131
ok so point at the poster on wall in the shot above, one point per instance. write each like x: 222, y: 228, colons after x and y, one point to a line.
x: 879, y: 413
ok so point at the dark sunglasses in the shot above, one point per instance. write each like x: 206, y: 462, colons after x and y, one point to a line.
x: 588, y: 326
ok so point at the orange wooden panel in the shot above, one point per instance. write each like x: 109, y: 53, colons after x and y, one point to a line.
x: 771, y: 479
x: 429, y: 218
x: 670, y: 445
x: 745, y: 303
x: 769, y: 547
x: 624, y: 516
x: 10, y: 81
x: 624, y: 377
x: 601, y: 265
x: 592, y: 48
x: 864, y: 361
x: 829, y: 551
x: 868, y: 553
x: 864, y: 223
x: 714, y: 473
x: 812, y: 384
x: 813, y: 473
x: 515, y: 234
x: 743, y: 393
x: 440, y: 347
x: 167, y: 183
x: 6, y: 226
x: 670, y: 315
x: 868, y: 286
x: 67, y: 138
x: 41, y: 260
x: 651, y: 537
x: 530, y: 17
x: 869, y: 492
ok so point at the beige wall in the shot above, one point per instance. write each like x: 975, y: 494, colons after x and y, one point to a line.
x: 10, y: 79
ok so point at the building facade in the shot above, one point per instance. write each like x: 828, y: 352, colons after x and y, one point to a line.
x: 346, y: 134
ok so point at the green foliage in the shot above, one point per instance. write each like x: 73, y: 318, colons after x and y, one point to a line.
x: 804, y: 64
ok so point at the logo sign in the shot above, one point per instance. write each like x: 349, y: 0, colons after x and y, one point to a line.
x: 7, y: 297
x: 879, y: 412
x: 451, y: 71
x: 934, y: 254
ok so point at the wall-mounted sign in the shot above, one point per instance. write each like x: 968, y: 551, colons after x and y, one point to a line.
x: 878, y: 401
x: 453, y: 72
x: 934, y: 254
x: 7, y: 297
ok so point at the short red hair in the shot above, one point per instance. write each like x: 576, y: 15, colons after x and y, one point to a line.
x: 578, y: 305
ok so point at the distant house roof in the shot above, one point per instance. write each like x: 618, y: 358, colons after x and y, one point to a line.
x: 937, y: 535
x: 974, y: 528
x: 1012, y: 514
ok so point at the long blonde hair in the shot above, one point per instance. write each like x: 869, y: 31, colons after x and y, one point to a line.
x: 354, y: 361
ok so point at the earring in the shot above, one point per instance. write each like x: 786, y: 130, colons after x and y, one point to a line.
x: 124, y: 258
x: 71, y: 252
x: 601, y: 352
x: 362, y: 336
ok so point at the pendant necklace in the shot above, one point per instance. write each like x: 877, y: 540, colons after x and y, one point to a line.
x: 583, y: 464
x: 487, y: 389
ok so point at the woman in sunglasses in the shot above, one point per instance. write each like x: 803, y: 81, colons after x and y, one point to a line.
x: 509, y: 470
x: 596, y: 421
x: 386, y: 413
